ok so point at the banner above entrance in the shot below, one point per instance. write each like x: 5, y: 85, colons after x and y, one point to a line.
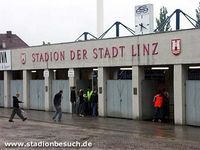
x: 151, y: 49
x: 5, y: 60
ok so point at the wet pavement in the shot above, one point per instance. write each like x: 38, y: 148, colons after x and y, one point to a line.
x: 103, y: 133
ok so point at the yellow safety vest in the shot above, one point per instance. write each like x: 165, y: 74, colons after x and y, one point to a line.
x: 89, y: 95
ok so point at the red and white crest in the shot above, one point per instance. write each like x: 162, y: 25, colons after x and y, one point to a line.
x: 176, y: 46
x: 23, y: 58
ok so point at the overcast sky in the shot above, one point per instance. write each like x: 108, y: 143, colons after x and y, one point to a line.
x: 57, y: 21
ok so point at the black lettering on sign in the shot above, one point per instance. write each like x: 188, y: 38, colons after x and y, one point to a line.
x: 3, y: 57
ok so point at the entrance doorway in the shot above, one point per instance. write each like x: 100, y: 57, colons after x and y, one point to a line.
x: 61, y: 82
x: 119, y: 93
x: 37, y: 90
x: 192, y: 96
x: 157, y: 78
x: 86, y: 82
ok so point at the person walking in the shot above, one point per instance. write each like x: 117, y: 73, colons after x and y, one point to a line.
x: 57, y: 105
x: 16, y: 109
x: 158, y: 107
x: 73, y: 99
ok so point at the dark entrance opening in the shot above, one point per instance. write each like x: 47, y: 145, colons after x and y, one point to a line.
x: 155, y: 79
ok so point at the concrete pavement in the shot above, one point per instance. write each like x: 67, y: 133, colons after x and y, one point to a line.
x: 104, y: 133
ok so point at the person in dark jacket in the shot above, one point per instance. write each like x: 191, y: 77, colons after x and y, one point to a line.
x: 94, y: 103
x: 73, y: 99
x: 81, y: 103
x: 57, y: 105
x: 165, y: 105
x: 16, y: 109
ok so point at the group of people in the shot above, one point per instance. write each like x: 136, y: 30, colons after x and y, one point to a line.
x: 84, y: 103
x: 17, y: 109
x: 161, y: 106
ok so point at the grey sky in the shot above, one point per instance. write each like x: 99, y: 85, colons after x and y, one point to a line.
x: 58, y: 21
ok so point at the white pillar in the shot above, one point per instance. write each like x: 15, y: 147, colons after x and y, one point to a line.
x: 48, y: 90
x: 180, y: 75
x: 26, y: 88
x: 102, y: 90
x: 7, y: 97
x: 72, y: 83
x: 137, y: 77
x: 99, y: 17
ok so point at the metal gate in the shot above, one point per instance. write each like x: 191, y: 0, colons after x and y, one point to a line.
x: 16, y: 86
x: 1, y: 93
x: 119, y: 98
x: 58, y: 85
x: 149, y: 89
x: 37, y: 94
x: 193, y: 102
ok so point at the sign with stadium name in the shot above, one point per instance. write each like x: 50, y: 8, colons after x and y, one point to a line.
x: 5, y: 60
x: 144, y: 49
x: 100, y: 53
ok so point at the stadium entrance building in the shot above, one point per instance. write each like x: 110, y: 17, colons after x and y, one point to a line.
x: 122, y: 69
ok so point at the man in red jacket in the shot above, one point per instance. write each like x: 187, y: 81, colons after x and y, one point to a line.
x: 158, y: 104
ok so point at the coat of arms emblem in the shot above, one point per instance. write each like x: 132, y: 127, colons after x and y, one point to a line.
x: 176, y: 46
x: 23, y: 58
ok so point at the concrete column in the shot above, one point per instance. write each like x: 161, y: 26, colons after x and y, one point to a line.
x: 180, y: 75
x: 137, y: 77
x: 102, y: 90
x: 7, y: 97
x: 48, y: 90
x: 26, y: 88
x: 72, y: 83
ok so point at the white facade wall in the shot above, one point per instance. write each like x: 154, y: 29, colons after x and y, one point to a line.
x: 136, y: 51
x: 88, y: 53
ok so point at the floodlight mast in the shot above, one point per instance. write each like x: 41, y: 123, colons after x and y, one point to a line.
x: 100, y: 17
